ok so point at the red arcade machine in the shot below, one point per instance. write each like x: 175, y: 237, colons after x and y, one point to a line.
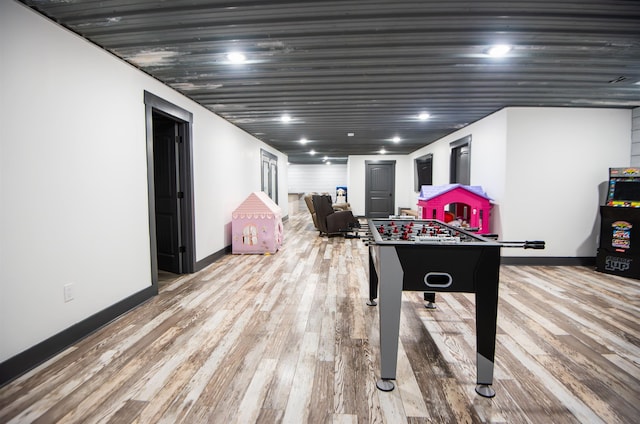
x: 619, y: 249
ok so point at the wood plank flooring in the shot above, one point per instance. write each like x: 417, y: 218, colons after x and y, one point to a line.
x: 288, y: 338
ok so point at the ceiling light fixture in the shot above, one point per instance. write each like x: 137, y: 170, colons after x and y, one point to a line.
x: 285, y: 118
x: 424, y: 116
x: 350, y: 134
x: 312, y: 152
x: 396, y: 139
x: 499, y: 50
x: 236, y: 57
x: 382, y: 151
x: 303, y: 140
x: 328, y: 163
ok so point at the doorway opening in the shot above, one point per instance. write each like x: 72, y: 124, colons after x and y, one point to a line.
x: 461, y: 161
x: 269, y: 166
x: 170, y: 183
x: 423, y: 171
x: 460, y: 173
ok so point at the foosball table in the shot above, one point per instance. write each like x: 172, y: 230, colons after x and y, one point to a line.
x: 431, y: 256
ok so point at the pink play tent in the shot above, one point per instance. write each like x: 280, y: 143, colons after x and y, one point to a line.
x: 471, y: 203
x: 256, y: 225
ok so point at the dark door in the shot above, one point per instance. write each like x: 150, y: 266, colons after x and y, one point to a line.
x: 380, y: 182
x: 167, y: 193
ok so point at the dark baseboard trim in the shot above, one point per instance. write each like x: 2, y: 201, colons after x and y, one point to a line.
x: 203, y: 263
x: 548, y: 261
x: 36, y: 355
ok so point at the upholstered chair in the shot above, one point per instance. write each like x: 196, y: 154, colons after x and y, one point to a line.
x: 330, y: 221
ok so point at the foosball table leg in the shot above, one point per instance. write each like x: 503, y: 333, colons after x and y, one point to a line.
x: 430, y: 298
x: 373, y: 282
x: 385, y: 385
x: 485, y: 390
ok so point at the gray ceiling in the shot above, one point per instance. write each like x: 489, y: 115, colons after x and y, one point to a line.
x: 370, y: 67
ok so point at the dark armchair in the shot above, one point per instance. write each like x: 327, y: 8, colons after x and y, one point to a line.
x: 330, y: 221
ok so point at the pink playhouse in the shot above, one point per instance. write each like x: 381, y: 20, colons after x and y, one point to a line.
x: 470, y: 203
x: 256, y: 225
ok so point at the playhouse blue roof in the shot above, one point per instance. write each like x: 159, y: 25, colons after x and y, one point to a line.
x: 428, y: 192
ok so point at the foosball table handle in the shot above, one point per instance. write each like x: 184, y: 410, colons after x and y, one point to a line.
x: 529, y: 244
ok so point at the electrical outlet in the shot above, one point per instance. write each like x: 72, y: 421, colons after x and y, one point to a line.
x: 68, y: 292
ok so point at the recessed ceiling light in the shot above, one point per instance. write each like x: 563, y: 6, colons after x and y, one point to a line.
x: 285, y: 118
x: 350, y: 134
x: 312, y: 152
x: 424, y: 116
x: 325, y: 158
x: 396, y: 139
x: 382, y: 151
x: 328, y: 163
x: 303, y: 140
x: 236, y: 57
x: 499, y: 50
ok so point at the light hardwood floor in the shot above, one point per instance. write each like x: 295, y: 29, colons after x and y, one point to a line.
x: 289, y: 338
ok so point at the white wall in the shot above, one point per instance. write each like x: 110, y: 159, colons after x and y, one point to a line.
x: 488, y: 153
x: 317, y: 178
x: 544, y: 169
x: 356, y: 184
x: 73, y: 178
x: 488, y: 159
x: 635, y: 138
x: 557, y: 162
x: 226, y: 170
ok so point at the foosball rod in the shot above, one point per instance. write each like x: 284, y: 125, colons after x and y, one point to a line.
x: 529, y: 244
